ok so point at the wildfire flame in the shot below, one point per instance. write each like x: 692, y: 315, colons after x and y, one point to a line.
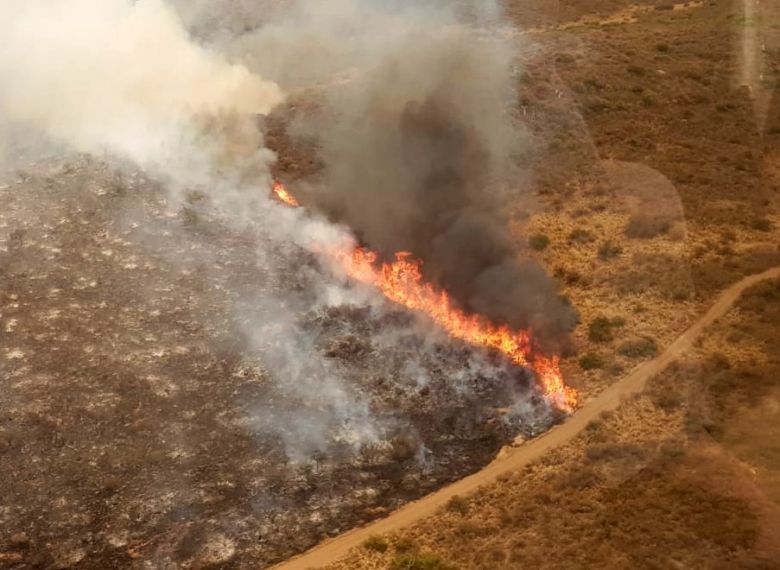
x: 281, y: 192
x: 401, y: 281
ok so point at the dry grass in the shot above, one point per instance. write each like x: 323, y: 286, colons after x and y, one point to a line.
x: 673, y: 479
x: 647, y: 139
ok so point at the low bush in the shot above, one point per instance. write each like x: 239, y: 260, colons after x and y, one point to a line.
x: 614, y: 452
x: 608, y: 250
x: 580, y: 236
x: 647, y: 226
x: 761, y: 224
x: 591, y: 361
x: 639, y: 347
x: 601, y: 329
x: 538, y: 242
x: 376, y: 543
x: 759, y: 296
x: 404, y: 545
x: 458, y: 505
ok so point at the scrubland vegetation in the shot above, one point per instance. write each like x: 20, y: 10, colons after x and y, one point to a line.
x: 673, y: 478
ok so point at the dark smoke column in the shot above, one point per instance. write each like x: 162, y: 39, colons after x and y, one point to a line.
x: 415, y: 150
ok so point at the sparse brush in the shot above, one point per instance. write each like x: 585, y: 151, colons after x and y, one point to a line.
x: 580, y: 235
x: 608, y: 250
x: 423, y: 561
x: 458, y: 505
x: 376, y: 543
x: 601, y: 328
x: 640, y: 347
x: 591, y: 361
x: 538, y: 242
x: 404, y: 545
x: 648, y: 226
x: 761, y: 224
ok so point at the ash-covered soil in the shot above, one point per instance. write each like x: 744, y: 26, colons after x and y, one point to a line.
x: 157, y: 411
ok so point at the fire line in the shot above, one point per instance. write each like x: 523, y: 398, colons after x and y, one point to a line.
x: 401, y: 281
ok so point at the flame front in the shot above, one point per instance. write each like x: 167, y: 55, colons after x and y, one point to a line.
x: 281, y: 192
x: 401, y: 282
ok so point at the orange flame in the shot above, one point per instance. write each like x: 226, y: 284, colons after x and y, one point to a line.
x: 401, y: 282
x: 281, y: 192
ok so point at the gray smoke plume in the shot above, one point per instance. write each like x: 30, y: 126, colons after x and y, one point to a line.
x: 419, y: 143
x: 415, y: 130
x: 420, y: 161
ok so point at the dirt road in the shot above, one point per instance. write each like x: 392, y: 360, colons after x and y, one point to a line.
x: 332, y: 550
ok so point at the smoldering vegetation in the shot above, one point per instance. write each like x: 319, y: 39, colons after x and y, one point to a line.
x: 167, y: 390
x: 173, y: 343
x: 420, y: 149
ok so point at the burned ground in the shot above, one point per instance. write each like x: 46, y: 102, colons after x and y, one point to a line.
x: 136, y: 403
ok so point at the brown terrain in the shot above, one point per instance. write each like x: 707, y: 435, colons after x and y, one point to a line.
x: 128, y: 378
x: 683, y: 474
x: 511, y: 461
x: 654, y: 217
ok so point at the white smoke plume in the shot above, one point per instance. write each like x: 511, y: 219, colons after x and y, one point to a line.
x: 133, y: 80
x: 120, y: 77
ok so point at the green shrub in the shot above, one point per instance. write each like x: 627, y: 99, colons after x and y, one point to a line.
x: 591, y: 361
x: 376, y: 543
x: 538, y: 242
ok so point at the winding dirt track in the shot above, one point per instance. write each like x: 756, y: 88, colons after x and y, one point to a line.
x: 332, y: 550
